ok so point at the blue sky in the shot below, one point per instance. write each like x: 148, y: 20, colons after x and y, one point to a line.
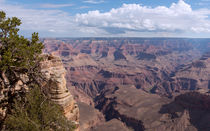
x: 111, y: 18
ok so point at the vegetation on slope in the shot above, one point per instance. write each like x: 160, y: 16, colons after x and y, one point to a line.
x: 25, y: 109
x: 36, y: 113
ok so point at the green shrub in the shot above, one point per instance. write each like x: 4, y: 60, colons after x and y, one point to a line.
x: 36, y: 113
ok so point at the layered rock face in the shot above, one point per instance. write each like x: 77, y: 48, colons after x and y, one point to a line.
x: 54, y: 73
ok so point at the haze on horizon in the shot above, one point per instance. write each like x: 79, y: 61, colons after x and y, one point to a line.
x: 107, y: 18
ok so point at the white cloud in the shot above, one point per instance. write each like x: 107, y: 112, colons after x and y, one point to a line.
x: 94, y: 1
x: 128, y: 20
x: 55, y: 5
x: 179, y: 17
x: 50, y: 22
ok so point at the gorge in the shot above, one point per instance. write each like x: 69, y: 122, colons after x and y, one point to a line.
x: 137, y: 83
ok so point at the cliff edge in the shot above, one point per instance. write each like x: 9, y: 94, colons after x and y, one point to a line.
x: 54, y: 73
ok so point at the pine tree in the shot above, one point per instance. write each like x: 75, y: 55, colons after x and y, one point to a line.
x: 18, y: 56
x: 25, y: 109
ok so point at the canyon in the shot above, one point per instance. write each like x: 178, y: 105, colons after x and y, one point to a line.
x: 137, y: 83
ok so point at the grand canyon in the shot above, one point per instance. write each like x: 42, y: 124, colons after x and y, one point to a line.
x: 104, y: 65
x: 137, y: 84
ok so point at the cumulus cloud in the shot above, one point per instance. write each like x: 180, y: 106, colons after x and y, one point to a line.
x: 179, y: 17
x: 128, y: 20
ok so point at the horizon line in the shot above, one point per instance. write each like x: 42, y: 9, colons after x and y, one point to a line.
x: 124, y: 37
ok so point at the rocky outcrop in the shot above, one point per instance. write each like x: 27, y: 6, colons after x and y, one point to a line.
x: 54, y: 73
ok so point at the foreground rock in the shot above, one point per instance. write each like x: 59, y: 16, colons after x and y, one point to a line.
x: 54, y: 73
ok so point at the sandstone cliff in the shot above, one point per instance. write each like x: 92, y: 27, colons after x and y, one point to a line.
x: 54, y: 73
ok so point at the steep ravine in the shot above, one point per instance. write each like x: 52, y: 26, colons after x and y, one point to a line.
x: 107, y: 106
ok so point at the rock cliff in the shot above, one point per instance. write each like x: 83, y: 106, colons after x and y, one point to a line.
x: 54, y: 73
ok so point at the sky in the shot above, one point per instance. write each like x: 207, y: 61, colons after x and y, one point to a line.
x: 111, y: 18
